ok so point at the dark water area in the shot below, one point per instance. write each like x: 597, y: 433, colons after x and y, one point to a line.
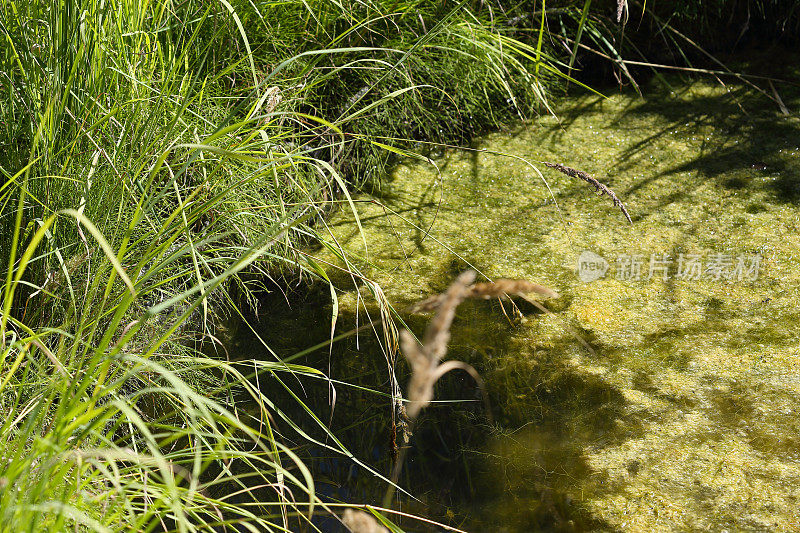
x: 656, y: 396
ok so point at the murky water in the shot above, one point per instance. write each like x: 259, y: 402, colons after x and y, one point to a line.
x: 676, y: 409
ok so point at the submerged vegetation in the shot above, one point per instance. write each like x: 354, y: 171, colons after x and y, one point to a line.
x: 167, y: 168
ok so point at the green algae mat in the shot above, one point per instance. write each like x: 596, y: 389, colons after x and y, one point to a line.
x: 661, y: 389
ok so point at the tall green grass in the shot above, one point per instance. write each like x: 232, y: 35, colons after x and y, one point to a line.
x: 154, y: 155
x: 117, y: 163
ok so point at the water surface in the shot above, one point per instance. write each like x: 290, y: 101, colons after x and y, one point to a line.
x: 636, y: 403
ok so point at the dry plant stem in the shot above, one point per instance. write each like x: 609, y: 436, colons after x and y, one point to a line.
x: 622, y: 6
x: 437, y: 525
x: 599, y: 187
x: 425, y: 359
x: 781, y: 105
x: 501, y: 288
x: 420, y: 390
x: 361, y: 522
x: 434, y: 342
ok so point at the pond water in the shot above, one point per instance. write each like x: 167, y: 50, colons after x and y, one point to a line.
x: 642, y: 400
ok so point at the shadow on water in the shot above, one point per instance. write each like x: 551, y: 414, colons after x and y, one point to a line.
x: 460, y: 470
x: 405, y: 206
x: 743, y: 139
x: 740, y: 139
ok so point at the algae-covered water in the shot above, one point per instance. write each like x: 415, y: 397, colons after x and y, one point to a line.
x: 663, y: 395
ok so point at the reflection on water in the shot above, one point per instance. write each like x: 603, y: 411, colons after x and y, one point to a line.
x: 682, y: 411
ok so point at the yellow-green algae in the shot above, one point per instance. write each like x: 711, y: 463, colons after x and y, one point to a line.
x: 684, y: 415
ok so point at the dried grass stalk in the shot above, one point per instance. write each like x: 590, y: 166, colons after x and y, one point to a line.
x: 425, y: 359
x: 361, y: 522
x: 438, y: 333
x: 501, y: 288
x: 599, y: 187
x: 420, y: 387
x: 428, y: 304
x: 622, y: 6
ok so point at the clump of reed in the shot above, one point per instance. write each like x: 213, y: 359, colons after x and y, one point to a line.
x: 425, y: 359
x: 599, y: 187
